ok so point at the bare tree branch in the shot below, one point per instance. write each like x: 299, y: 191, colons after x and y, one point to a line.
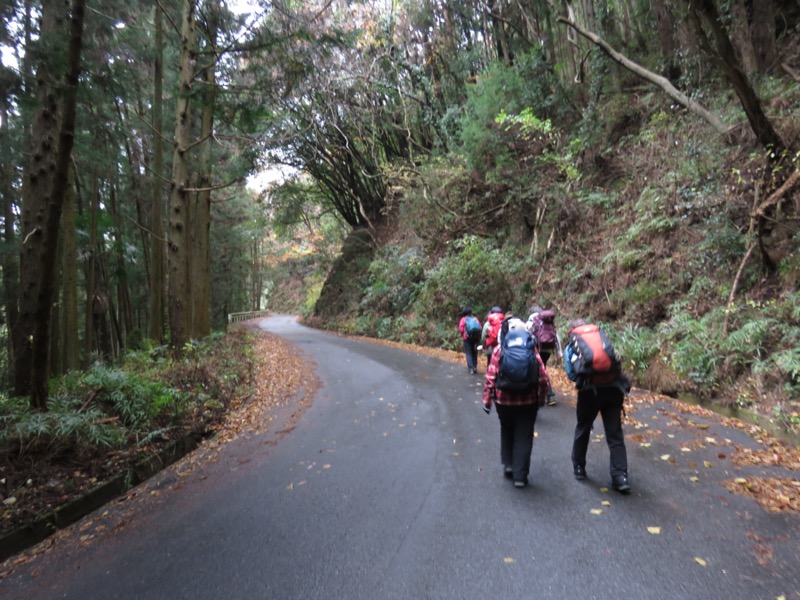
x: 644, y: 73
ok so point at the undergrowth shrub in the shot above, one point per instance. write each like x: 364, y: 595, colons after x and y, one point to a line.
x: 395, y: 276
x: 473, y: 274
x: 117, y: 406
x: 67, y: 428
x: 638, y: 346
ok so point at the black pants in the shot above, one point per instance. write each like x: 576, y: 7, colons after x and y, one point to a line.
x: 545, y: 354
x: 607, y: 402
x: 516, y: 437
x: 471, y: 352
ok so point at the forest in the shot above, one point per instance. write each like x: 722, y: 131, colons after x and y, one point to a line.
x: 375, y: 165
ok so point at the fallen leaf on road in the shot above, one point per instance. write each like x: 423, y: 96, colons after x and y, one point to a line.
x: 700, y: 561
x: 708, y: 464
x: 694, y: 479
x: 654, y: 530
x: 665, y: 457
x: 508, y: 560
x: 772, y: 493
x: 606, y: 503
x: 597, y: 511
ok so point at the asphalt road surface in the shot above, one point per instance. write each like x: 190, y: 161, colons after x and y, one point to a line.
x: 390, y: 487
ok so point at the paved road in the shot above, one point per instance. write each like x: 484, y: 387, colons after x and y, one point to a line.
x: 390, y: 487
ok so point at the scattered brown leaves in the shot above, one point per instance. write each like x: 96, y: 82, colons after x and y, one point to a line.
x: 773, y: 494
x: 774, y: 454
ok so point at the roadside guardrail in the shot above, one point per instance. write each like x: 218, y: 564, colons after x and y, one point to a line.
x: 246, y: 316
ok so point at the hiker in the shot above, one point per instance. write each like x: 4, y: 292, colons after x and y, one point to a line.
x: 491, y: 329
x: 541, y: 323
x: 590, y: 362
x: 516, y: 398
x: 470, y: 329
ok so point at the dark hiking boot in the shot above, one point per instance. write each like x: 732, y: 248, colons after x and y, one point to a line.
x: 620, y: 483
x: 580, y: 472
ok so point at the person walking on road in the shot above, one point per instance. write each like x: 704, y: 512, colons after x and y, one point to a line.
x: 491, y: 329
x: 541, y: 323
x: 516, y: 410
x: 598, y: 392
x: 470, y: 329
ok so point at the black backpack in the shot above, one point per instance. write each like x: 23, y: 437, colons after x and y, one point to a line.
x: 518, y: 371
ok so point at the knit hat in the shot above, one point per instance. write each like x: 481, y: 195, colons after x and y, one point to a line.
x: 576, y: 323
x: 496, y: 309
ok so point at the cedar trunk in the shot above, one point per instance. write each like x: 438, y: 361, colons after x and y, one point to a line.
x: 180, y: 304
x: 156, y: 325
x: 52, y: 137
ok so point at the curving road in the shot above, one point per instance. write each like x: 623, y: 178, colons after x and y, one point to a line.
x: 390, y: 487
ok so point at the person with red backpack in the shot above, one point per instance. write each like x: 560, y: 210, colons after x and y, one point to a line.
x: 590, y: 361
x: 491, y: 330
x: 542, y: 325
x: 470, y: 329
x: 516, y: 383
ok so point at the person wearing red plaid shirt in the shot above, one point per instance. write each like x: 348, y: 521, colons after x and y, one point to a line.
x: 517, y: 415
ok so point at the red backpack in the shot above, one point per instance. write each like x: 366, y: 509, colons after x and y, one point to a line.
x: 597, y: 363
x: 495, y: 321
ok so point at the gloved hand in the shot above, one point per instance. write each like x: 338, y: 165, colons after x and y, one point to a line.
x: 487, y: 409
x: 479, y: 347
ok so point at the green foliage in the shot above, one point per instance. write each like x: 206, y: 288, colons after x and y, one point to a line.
x: 598, y: 199
x: 722, y: 247
x: 650, y: 217
x: 115, y: 407
x: 394, y: 280
x: 66, y: 428
x: 638, y: 345
x: 436, y: 198
x: 313, y: 292
x: 638, y: 296
x: 138, y: 402
x: 760, y: 343
x: 531, y: 128
x: 694, y: 345
x: 529, y: 84
x: 475, y: 273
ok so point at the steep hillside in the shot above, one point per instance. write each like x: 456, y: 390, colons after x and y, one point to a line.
x: 643, y: 224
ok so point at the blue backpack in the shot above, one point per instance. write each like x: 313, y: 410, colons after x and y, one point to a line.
x: 473, y: 328
x: 518, y: 371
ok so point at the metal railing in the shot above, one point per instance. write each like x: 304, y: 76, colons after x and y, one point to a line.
x: 246, y: 316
